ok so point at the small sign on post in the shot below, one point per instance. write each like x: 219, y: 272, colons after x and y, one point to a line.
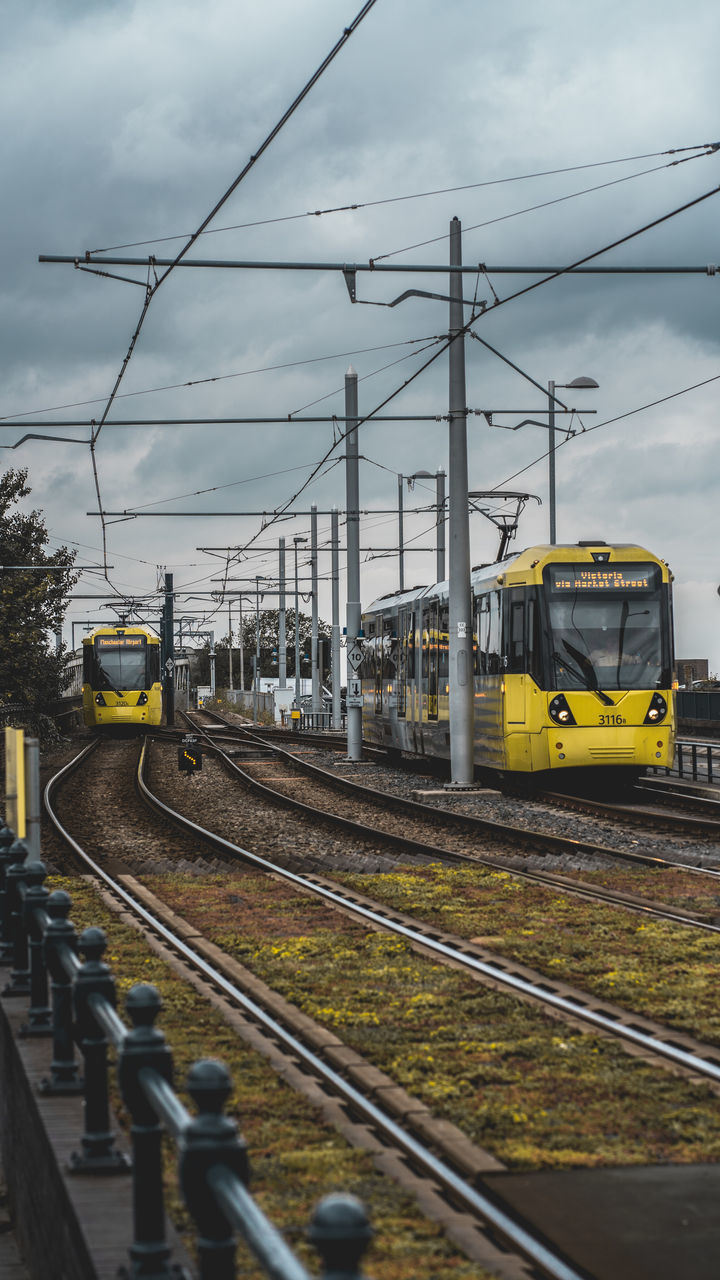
x: 354, y: 657
x: 354, y: 696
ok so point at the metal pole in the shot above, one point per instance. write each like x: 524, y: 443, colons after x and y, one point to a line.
x: 297, y: 627
x: 256, y: 681
x: 169, y: 672
x: 401, y: 547
x: 230, y: 670
x: 460, y: 638
x: 316, y: 699
x: 352, y: 507
x: 240, y: 638
x: 282, y: 637
x: 551, y: 461
x: 212, y: 664
x: 440, y: 495
x: 335, y: 646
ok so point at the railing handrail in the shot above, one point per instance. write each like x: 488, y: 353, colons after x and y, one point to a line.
x: 213, y: 1165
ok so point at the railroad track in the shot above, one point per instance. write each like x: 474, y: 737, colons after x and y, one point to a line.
x: 393, y: 817
x: 577, y: 1005
x: 642, y: 1036
x: 435, y: 1153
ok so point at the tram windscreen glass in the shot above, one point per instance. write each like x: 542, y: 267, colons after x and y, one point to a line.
x: 606, y: 626
x: 120, y: 663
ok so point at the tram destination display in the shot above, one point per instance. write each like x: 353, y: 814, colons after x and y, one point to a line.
x: 562, y: 578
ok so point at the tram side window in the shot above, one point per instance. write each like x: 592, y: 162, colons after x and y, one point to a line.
x: 379, y: 667
x: 401, y: 650
x: 367, y: 669
x: 493, y: 658
x: 411, y: 646
x: 480, y: 612
x: 432, y: 661
x: 153, y: 661
x: 444, y: 646
x: 515, y: 632
x: 534, y: 640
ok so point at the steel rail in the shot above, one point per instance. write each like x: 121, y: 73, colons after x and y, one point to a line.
x: 482, y: 1206
x: 470, y: 822
x: 580, y: 889
x: 572, y: 1007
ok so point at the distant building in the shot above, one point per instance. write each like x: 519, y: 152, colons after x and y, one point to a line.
x: 688, y: 670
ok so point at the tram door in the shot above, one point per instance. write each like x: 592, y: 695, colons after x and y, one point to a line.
x: 515, y: 682
x: 402, y: 662
x: 433, y: 660
x: 379, y: 665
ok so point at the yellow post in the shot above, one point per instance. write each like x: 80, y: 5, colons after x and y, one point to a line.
x: 15, y: 781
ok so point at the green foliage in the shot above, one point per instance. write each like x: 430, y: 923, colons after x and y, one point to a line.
x: 32, y: 605
x: 269, y: 620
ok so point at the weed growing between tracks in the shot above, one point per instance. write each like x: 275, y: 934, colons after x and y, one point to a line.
x: 537, y: 1094
x: 295, y: 1156
x: 662, y: 970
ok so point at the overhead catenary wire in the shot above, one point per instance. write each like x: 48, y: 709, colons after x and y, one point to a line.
x: 415, y: 195
x: 219, y: 377
x: 152, y: 289
x: 708, y: 150
x: 283, y: 507
x: 652, y: 404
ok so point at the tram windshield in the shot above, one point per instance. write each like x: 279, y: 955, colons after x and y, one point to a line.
x: 606, y: 627
x: 120, y: 663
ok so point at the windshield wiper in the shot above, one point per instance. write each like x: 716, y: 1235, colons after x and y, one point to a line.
x: 588, y: 673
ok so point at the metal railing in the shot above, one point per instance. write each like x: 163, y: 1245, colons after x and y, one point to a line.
x: 699, y: 761
x: 73, y: 1000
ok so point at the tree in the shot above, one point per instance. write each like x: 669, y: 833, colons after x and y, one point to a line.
x: 269, y: 625
x: 32, y: 607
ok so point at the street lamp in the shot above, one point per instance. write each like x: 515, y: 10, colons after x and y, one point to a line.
x: 296, y: 540
x: 577, y: 384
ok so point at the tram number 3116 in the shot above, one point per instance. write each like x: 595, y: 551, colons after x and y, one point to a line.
x: 611, y: 720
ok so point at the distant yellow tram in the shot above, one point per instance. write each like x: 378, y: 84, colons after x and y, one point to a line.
x: 121, y: 678
x: 573, y: 662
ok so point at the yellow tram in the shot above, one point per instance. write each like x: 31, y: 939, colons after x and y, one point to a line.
x: 573, y: 663
x: 121, y: 678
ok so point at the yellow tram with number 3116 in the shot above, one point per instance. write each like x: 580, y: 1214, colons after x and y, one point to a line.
x: 573, y: 662
x: 121, y: 678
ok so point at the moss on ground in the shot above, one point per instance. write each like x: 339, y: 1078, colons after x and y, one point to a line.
x: 296, y: 1158
x: 537, y: 1094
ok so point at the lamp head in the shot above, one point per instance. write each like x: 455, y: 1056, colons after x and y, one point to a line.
x: 582, y: 383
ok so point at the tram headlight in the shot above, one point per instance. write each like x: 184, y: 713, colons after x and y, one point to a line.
x: 100, y: 700
x: 142, y: 700
x: 559, y: 710
x: 657, y: 710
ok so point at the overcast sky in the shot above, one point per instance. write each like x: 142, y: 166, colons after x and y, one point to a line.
x: 126, y: 123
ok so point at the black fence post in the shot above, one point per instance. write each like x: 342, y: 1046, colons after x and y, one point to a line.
x: 211, y: 1139
x: 145, y: 1048
x: 99, y: 1154
x: 7, y: 839
x: 60, y: 936
x: 19, y: 984
x: 340, y: 1231
x: 34, y: 901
